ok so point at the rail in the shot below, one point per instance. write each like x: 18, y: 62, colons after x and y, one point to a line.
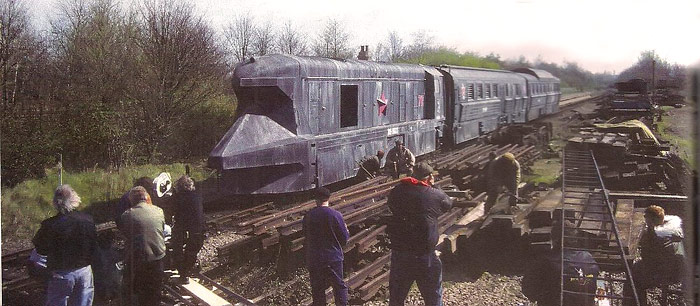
x: 586, y: 204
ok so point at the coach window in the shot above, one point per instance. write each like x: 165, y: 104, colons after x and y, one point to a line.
x: 470, y: 91
x: 495, y: 91
x: 479, y: 91
x: 348, y: 105
x: 487, y: 90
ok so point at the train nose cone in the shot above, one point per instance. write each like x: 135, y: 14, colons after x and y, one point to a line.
x: 248, y: 134
x: 257, y: 155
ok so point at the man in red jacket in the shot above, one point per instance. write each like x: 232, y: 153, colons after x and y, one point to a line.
x: 413, y: 231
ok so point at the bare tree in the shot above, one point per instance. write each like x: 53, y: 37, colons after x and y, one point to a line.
x: 395, y: 46
x: 333, y: 41
x: 291, y: 40
x: 180, y: 68
x: 240, y: 35
x: 422, y: 42
x: 380, y: 53
x: 264, y: 41
x: 93, y: 59
x: 26, y: 140
x: 14, y: 45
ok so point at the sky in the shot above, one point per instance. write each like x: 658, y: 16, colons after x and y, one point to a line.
x: 599, y: 35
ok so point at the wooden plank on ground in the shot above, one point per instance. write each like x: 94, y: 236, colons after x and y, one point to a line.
x: 637, y: 228
x: 203, y: 294
x: 623, y: 216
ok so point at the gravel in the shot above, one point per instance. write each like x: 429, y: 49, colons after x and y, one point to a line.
x: 208, y: 257
x: 488, y: 289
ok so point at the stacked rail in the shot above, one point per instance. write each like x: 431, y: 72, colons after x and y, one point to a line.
x: 587, y: 206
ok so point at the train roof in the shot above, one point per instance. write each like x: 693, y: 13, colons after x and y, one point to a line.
x: 540, y: 74
x: 460, y: 72
x: 282, y: 65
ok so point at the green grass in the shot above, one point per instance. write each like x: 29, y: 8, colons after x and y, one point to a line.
x: 27, y: 204
x: 544, y: 171
x: 685, y: 145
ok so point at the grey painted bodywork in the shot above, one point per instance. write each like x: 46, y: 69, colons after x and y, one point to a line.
x: 288, y: 131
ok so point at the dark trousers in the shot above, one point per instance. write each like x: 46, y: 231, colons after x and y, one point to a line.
x: 494, y: 191
x: 322, y: 276
x: 425, y: 269
x: 647, y: 275
x: 185, y: 250
x: 143, y: 282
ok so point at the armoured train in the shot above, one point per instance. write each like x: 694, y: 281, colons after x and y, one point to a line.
x: 306, y: 121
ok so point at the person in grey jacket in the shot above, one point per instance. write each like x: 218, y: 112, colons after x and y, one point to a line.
x: 142, y: 226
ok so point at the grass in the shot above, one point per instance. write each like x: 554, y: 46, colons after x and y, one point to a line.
x: 544, y: 171
x: 685, y: 145
x: 27, y: 204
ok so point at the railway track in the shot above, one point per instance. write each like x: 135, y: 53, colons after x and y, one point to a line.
x: 587, y: 206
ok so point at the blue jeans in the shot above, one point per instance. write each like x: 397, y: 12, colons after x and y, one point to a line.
x: 423, y: 268
x: 70, y: 287
x: 324, y: 275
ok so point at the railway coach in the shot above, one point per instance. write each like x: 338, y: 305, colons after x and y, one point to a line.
x: 305, y: 121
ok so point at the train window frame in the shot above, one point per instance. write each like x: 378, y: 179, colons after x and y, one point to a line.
x: 349, y: 106
x: 471, y: 96
x: 479, y: 91
x: 495, y: 90
x: 487, y: 90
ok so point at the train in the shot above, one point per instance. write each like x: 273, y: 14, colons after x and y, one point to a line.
x: 304, y: 121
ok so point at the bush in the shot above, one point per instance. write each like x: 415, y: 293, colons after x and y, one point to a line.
x: 25, y: 205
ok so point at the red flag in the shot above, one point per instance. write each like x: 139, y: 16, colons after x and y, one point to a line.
x: 382, y: 102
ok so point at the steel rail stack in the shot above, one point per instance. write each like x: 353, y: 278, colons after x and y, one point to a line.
x: 586, y: 204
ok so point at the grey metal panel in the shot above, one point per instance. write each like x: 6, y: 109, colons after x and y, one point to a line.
x: 538, y: 73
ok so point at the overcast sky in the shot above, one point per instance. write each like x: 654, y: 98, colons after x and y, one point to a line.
x: 600, y: 35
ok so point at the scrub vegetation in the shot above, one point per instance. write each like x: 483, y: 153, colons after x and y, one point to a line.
x: 25, y: 205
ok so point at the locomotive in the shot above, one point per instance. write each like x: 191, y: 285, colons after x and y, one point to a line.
x: 306, y: 121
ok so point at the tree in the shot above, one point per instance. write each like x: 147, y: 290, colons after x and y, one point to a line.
x: 291, y: 40
x: 94, y: 55
x: 395, y: 46
x: 25, y: 138
x: 333, y: 41
x: 264, y: 41
x: 180, y: 67
x: 422, y: 42
x: 380, y: 53
x: 240, y: 35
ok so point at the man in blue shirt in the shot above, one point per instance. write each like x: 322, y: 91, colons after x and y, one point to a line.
x: 326, y: 233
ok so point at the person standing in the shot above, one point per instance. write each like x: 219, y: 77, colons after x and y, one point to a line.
x: 413, y: 232
x: 400, y: 160
x: 144, y: 249
x: 503, y: 171
x: 189, y: 228
x: 124, y: 203
x: 68, y: 240
x: 326, y: 234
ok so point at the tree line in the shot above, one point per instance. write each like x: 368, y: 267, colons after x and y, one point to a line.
x: 655, y: 70
x: 108, y: 86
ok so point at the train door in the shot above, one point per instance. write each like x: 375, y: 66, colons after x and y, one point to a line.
x: 403, y: 101
x: 322, y: 104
